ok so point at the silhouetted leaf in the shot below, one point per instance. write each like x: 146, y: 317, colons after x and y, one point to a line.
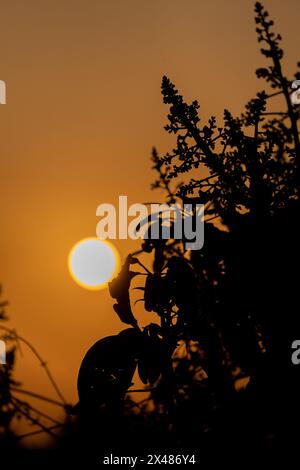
x: 107, y: 369
x: 119, y: 290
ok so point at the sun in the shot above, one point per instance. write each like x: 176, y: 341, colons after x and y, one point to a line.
x: 93, y: 263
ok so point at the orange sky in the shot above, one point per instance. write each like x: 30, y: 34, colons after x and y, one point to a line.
x: 83, y: 111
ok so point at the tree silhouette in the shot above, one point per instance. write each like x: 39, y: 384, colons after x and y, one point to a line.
x: 217, y: 363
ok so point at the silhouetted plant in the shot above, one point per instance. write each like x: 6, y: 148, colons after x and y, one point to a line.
x: 12, y: 407
x: 225, y: 313
x: 7, y: 411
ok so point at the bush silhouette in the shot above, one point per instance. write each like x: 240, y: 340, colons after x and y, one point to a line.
x: 218, y: 361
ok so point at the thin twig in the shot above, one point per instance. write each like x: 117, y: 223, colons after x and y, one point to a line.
x: 36, y: 395
x: 41, y: 413
x: 42, y: 362
x: 33, y: 420
x: 22, y: 436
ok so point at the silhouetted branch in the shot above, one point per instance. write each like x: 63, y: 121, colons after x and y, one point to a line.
x: 38, y: 356
x: 37, y: 395
x: 34, y: 421
x: 34, y: 433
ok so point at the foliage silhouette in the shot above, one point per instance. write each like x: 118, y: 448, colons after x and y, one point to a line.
x: 7, y: 410
x: 226, y: 313
x: 13, y: 408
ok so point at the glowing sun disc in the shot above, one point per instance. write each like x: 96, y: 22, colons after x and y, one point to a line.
x: 93, y: 263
